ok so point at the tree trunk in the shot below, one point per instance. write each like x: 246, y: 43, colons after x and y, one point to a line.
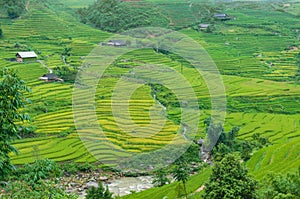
x: 184, y: 187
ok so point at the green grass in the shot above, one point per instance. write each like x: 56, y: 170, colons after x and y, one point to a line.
x: 169, y: 191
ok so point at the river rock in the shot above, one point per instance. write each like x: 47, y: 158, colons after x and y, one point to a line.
x: 92, y: 184
x: 103, y: 178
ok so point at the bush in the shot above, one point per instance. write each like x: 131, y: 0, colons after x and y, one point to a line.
x: 281, y: 186
x: 70, y: 168
x: 34, y: 173
x: 99, y: 193
x: 20, y: 190
x: 86, y: 167
x: 14, y: 8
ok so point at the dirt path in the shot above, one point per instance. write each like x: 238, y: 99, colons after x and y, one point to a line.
x: 200, y: 189
x: 43, y: 63
x: 27, y: 5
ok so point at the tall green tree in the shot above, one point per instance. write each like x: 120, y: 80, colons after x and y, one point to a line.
x: 12, y: 100
x: 99, y: 193
x: 14, y: 8
x: 281, y: 186
x: 161, y: 178
x: 181, y: 173
x: 230, y: 180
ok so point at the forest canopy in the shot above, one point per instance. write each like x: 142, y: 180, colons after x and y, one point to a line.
x: 13, y: 8
x: 117, y: 16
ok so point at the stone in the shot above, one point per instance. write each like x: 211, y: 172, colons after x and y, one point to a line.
x: 92, y: 184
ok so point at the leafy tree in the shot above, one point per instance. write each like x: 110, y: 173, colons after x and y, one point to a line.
x: 14, y: 8
x: 230, y: 180
x: 20, y: 190
x: 1, y: 32
x: 99, y: 193
x: 42, y: 169
x: 116, y: 16
x: 181, y: 174
x: 12, y: 99
x: 161, y: 178
x: 227, y: 142
x: 65, y: 73
x: 281, y: 186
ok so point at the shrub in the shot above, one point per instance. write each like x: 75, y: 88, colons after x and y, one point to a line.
x: 20, y: 190
x: 39, y: 170
x: 99, y: 193
x: 86, y: 167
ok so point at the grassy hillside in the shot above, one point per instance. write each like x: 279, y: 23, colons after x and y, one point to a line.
x: 257, y: 55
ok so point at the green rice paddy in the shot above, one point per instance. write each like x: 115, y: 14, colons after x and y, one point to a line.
x: 257, y: 55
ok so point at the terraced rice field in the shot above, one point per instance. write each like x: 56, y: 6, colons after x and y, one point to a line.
x: 258, y: 66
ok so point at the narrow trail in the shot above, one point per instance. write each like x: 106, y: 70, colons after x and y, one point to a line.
x: 27, y: 5
x: 200, y: 189
x: 43, y: 63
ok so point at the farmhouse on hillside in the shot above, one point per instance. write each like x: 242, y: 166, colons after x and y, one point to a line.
x: 26, y: 56
x: 116, y: 43
x: 203, y: 26
x: 50, y: 77
x: 221, y: 16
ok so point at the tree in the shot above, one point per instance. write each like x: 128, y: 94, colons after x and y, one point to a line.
x: 230, y: 180
x: 99, y: 193
x: 161, y: 178
x: 12, y: 99
x: 281, y: 186
x: 14, y: 8
x: 181, y: 174
x: 1, y: 32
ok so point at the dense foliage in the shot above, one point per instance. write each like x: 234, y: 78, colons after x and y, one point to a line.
x: 278, y: 186
x: 22, y: 189
x: 40, y: 170
x: 117, y: 16
x: 99, y: 193
x: 161, y: 178
x: 228, y: 142
x: 230, y: 180
x: 13, y: 8
x: 41, y: 178
x: 12, y: 99
x: 66, y: 73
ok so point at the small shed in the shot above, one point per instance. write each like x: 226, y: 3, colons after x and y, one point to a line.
x: 26, y: 56
x: 203, y: 26
x: 116, y: 43
x: 221, y: 16
x: 50, y: 77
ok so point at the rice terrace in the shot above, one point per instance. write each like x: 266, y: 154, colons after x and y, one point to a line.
x: 150, y: 99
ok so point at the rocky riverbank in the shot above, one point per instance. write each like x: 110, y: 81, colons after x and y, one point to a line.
x: 119, y: 186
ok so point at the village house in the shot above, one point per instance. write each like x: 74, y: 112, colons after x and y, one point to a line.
x: 203, y: 26
x: 26, y: 56
x: 50, y: 77
x: 221, y: 16
x: 116, y: 43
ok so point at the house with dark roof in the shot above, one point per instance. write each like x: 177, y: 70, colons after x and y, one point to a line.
x: 221, y: 16
x: 26, y: 56
x: 50, y: 77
